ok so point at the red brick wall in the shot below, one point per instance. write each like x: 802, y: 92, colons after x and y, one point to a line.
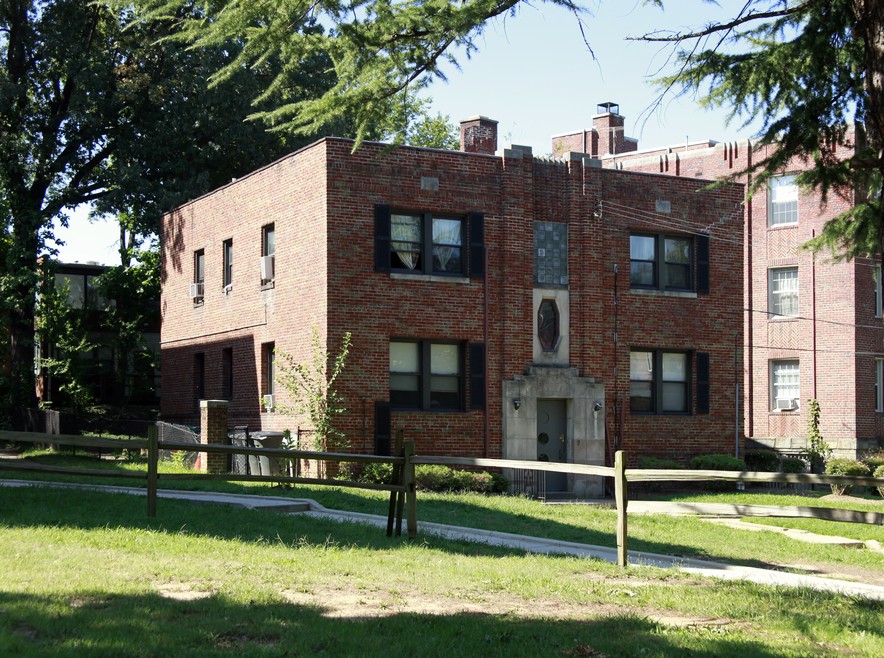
x: 836, y: 336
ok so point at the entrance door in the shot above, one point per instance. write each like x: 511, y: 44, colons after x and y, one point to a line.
x: 551, y: 422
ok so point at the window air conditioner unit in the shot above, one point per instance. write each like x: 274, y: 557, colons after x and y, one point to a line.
x: 196, y: 290
x: 785, y: 404
x: 267, y: 268
x: 268, y: 402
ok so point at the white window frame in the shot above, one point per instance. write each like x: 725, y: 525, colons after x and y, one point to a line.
x: 778, y: 390
x: 879, y: 385
x: 775, y: 295
x: 777, y: 198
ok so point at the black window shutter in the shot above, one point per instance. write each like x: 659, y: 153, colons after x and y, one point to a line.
x: 382, y: 428
x: 477, y: 375
x: 476, y: 222
x: 702, y: 382
x: 702, y: 244
x: 381, y: 238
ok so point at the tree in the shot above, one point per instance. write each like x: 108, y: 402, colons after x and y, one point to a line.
x: 95, y: 110
x: 311, y: 387
x: 377, y: 48
x: 810, y: 69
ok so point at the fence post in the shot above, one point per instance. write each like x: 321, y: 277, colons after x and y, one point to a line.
x: 153, y: 458
x: 395, y: 511
x: 620, y: 497
x: 410, y: 491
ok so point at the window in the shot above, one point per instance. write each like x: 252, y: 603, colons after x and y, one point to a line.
x: 783, y: 201
x: 665, y: 262
x: 268, y: 361
x: 268, y: 253
x: 783, y: 292
x: 785, y: 385
x: 659, y: 382
x: 426, y: 375
x: 422, y: 243
x: 197, y: 289
x: 228, y: 263
x: 879, y: 384
x: 548, y: 325
x: 227, y: 373
x: 199, y: 378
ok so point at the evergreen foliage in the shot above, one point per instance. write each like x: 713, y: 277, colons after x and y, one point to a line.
x: 811, y: 70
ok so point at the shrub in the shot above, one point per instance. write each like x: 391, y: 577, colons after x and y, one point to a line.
x: 762, y: 460
x: 879, y: 473
x: 432, y: 477
x: 656, y: 462
x: 793, y: 465
x: 718, y: 463
x: 874, y: 460
x: 372, y: 473
x: 845, y: 467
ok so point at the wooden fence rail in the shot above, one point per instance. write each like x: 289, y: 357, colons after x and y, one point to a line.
x: 403, y: 494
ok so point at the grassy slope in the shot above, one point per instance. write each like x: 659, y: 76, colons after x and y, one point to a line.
x: 84, y: 574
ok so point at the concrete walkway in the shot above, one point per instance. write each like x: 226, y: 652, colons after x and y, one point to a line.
x: 494, y: 538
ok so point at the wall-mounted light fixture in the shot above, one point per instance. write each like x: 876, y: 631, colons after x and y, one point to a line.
x: 597, y: 406
x: 517, y: 403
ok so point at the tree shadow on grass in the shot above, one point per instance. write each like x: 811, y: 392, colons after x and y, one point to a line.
x: 149, y: 624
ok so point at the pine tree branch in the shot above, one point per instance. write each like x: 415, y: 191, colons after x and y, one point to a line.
x: 725, y: 27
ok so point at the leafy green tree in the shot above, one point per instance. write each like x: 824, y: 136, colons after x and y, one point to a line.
x: 63, y: 330
x: 135, y: 287
x: 96, y: 110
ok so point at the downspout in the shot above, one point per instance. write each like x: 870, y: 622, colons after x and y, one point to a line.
x: 618, y: 420
x: 487, y: 353
x: 750, y: 352
x: 813, y: 313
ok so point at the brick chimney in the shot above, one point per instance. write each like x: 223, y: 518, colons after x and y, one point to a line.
x: 478, y: 135
x: 608, y: 125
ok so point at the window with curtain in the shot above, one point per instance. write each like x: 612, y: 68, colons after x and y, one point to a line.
x: 783, y: 297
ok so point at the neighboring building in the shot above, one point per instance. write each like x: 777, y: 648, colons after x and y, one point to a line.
x: 101, y: 365
x: 813, y: 328
x: 500, y: 305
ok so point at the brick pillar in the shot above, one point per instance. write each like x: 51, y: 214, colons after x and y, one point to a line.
x: 213, y: 430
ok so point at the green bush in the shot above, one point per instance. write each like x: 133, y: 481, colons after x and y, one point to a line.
x: 432, y: 477
x: 762, y: 460
x: 371, y: 473
x: 874, y: 460
x: 717, y: 463
x: 428, y: 477
x: 655, y: 462
x: 879, y: 473
x: 793, y: 465
x: 845, y: 467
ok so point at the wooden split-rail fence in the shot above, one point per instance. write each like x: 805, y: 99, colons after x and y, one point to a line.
x: 402, y: 489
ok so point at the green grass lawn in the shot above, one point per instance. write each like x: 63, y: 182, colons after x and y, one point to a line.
x: 88, y: 574
x: 590, y: 524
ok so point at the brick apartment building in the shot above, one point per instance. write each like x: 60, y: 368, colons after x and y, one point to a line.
x: 813, y: 328
x: 500, y: 305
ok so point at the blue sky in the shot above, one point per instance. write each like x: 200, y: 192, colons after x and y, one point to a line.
x: 534, y: 75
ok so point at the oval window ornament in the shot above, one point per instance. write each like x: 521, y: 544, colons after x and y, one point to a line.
x: 548, y: 325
